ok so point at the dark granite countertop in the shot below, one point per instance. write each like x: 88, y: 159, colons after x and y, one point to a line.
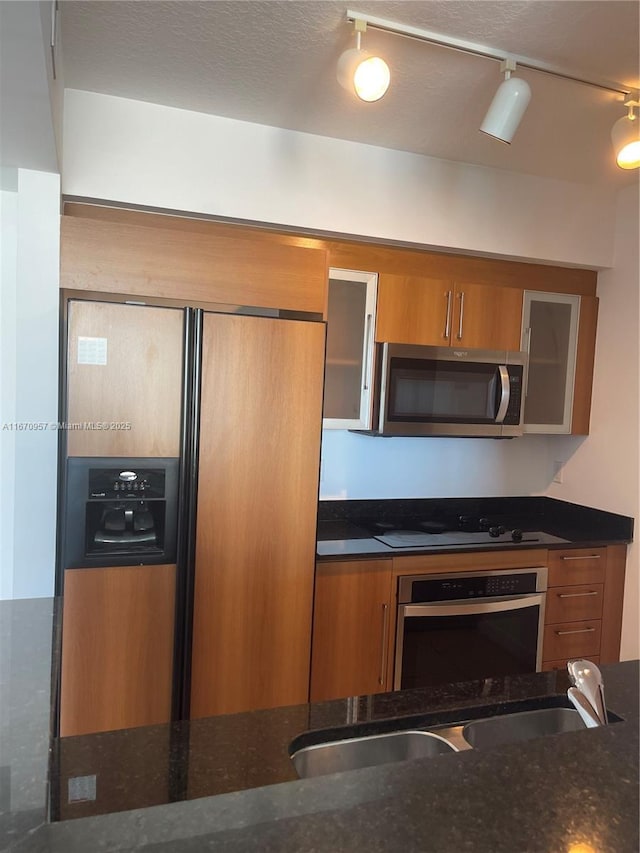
x: 546, y: 794
x: 559, y: 523
x: 227, y: 783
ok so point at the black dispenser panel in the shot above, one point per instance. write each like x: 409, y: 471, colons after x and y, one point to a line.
x: 120, y: 512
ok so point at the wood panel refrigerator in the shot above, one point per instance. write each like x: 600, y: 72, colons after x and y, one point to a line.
x: 239, y: 614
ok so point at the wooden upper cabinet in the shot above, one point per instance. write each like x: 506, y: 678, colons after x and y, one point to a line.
x: 124, y: 367
x: 211, y: 267
x: 413, y: 310
x: 440, y: 312
x: 486, y: 317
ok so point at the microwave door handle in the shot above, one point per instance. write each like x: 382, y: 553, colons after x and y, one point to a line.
x: 503, y: 373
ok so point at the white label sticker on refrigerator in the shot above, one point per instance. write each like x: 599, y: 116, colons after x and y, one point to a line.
x: 92, y: 350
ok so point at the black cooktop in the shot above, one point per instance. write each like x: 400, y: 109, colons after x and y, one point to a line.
x: 412, y: 531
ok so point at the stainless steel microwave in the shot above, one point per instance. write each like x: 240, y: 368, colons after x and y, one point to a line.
x: 444, y: 391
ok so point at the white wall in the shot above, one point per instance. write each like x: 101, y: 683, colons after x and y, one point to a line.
x: 359, y: 466
x: 603, y: 471
x: 29, y: 308
x: 146, y: 154
x: 8, y: 331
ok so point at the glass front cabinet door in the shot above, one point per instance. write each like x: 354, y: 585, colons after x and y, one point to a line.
x: 349, y: 360
x: 550, y: 336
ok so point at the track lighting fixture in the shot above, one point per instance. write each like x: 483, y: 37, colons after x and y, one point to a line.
x: 625, y: 135
x: 513, y: 94
x: 508, y: 105
x: 362, y: 73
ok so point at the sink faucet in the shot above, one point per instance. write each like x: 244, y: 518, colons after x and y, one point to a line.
x: 587, y: 692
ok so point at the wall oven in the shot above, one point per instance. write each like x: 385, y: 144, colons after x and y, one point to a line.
x: 466, y: 626
x: 443, y: 391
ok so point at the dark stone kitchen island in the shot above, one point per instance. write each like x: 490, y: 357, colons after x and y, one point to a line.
x: 227, y: 783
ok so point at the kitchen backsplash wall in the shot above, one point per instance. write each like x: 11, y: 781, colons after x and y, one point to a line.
x: 359, y: 466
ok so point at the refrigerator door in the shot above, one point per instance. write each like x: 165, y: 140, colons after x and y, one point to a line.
x: 259, y: 452
x: 124, y: 379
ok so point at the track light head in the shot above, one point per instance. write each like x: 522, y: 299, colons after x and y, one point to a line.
x: 625, y: 136
x: 362, y: 73
x: 508, y: 105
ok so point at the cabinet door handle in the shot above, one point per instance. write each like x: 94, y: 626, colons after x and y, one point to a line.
x: 584, y: 557
x: 447, y: 322
x: 367, y: 346
x: 461, y: 298
x: 576, y: 631
x: 385, y: 621
x: 576, y: 594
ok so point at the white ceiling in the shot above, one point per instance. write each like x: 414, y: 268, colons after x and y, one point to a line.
x: 273, y: 62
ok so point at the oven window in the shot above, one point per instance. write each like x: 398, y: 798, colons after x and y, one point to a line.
x: 444, y: 649
x: 442, y: 392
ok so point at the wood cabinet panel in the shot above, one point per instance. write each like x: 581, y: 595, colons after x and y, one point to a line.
x: 413, y: 310
x: 363, y: 255
x: 572, y: 603
x: 568, y: 640
x: 140, y: 381
x: 149, y: 261
x: 490, y: 317
x: 613, y: 603
x: 469, y: 561
x: 117, y: 648
x: 585, y: 356
x: 589, y: 616
x: 352, y: 630
x: 576, y: 566
x: 261, y: 413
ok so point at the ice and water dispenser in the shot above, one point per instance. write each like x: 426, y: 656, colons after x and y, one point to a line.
x: 120, y: 511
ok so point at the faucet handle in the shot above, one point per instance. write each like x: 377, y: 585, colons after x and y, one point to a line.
x: 586, y: 677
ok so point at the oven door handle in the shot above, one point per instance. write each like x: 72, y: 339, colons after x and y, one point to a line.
x: 468, y: 608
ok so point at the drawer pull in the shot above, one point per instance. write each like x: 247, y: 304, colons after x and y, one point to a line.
x: 576, y: 631
x: 584, y: 557
x: 576, y: 594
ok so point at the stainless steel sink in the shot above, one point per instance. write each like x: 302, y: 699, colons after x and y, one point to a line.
x: 353, y: 753
x: 525, y: 725
x: 481, y: 730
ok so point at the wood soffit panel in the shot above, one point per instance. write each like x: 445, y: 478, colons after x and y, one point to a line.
x: 364, y: 255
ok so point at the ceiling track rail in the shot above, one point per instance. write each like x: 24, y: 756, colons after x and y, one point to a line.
x: 475, y: 49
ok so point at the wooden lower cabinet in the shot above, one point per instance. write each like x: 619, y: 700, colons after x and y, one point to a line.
x: 117, y: 648
x: 355, y: 611
x: 352, y: 629
x: 583, y: 615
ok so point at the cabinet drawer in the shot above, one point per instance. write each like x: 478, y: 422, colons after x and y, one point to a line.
x: 571, y: 639
x: 550, y: 665
x: 576, y: 566
x: 574, y: 603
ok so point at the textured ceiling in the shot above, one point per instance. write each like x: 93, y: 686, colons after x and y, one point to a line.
x: 273, y: 62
